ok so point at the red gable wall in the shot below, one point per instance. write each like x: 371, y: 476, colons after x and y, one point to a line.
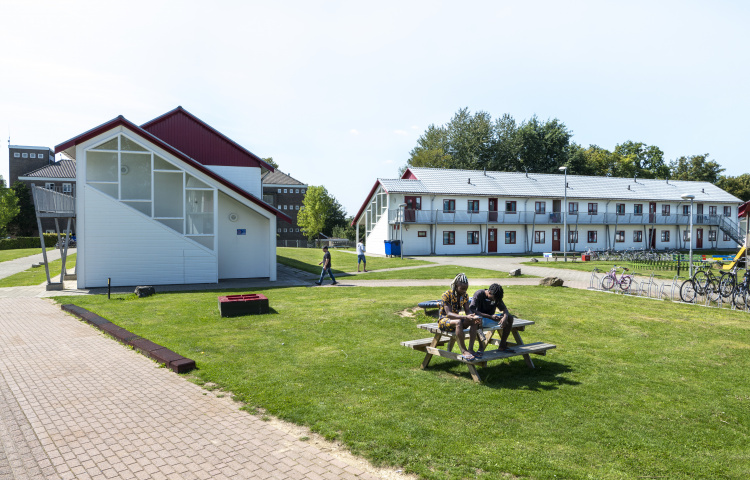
x: 200, y: 141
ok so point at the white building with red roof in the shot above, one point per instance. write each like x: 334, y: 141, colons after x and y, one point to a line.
x: 170, y: 202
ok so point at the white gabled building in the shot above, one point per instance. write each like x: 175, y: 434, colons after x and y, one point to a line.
x: 172, y: 201
x: 455, y: 212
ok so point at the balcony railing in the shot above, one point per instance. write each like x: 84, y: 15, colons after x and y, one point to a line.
x: 550, y: 218
x: 50, y: 203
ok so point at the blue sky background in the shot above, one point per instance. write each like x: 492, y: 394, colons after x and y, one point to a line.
x: 338, y: 92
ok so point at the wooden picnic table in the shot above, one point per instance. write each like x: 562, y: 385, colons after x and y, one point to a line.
x: 448, y: 339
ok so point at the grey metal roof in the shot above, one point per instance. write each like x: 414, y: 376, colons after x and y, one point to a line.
x: 61, y: 169
x: 438, y: 181
x: 277, y: 177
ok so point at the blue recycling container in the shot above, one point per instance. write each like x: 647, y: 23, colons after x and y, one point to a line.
x: 392, y: 248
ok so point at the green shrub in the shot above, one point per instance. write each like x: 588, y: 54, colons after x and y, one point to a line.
x: 50, y: 239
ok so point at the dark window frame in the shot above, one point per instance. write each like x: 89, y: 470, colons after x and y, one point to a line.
x: 540, y: 208
x: 513, y: 204
x: 510, y: 239
x: 592, y: 236
x: 593, y: 208
x: 451, y: 202
x: 451, y: 237
x: 539, y: 237
x: 472, y: 237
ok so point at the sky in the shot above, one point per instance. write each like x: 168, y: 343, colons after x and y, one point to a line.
x: 339, y: 92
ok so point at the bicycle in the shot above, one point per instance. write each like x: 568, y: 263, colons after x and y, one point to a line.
x: 703, y: 282
x: 610, y: 280
x: 741, y: 294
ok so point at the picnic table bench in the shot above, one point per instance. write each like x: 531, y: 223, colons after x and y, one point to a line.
x: 448, y: 339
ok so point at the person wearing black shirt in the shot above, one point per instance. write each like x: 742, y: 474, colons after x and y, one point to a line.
x: 484, y: 303
x: 326, y: 267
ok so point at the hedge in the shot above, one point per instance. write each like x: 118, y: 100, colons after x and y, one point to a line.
x: 50, y: 240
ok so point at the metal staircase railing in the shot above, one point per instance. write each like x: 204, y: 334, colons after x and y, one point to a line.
x: 731, y: 229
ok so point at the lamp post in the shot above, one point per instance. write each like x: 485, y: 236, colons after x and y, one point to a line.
x: 402, y: 207
x: 687, y: 196
x: 565, y: 212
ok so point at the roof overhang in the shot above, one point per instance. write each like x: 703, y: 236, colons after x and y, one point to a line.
x: 68, y: 147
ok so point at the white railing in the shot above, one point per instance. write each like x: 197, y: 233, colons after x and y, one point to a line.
x: 52, y: 202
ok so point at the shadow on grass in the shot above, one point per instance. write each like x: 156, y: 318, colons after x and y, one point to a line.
x: 514, y: 375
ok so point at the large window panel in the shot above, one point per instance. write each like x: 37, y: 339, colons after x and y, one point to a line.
x: 101, y: 167
x: 108, y: 145
x: 161, y: 164
x: 135, y: 176
x: 168, y: 194
x: 128, y: 145
x: 192, y: 182
x: 143, y: 207
x: 200, y: 212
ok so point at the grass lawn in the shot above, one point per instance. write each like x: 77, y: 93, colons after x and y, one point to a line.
x: 6, y: 255
x: 35, y: 276
x: 307, y: 259
x: 635, y: 389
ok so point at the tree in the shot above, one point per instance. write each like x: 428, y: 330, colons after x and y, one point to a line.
x: 637, y: 158
x: 738, y: 186
x: 320, y: 213
x: 543, y: 147
x: 23, y: 224
x: 8, y: 206
x: 431, y: 149
x: 270, y: 161
x: 696, y: 168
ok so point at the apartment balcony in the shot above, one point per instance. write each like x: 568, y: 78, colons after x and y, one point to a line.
x: 52, y: 203
x: 550, y: 218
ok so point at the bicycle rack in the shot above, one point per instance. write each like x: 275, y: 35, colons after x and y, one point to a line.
x: 675, y: 285
x: 595, y: 282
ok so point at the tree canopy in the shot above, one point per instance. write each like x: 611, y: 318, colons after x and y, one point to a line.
x: 320, y: 213
x: 8, y: 206
x: 475, y: 142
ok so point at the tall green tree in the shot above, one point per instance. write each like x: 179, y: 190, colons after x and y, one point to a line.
x: 8, y: 206
x: 543, y: 146
x: 23, y: 224
x: 431, y: 150
x: 320, y: 213
x: 270, y: 161
x: 738, y: 186
x: 696, y: 168
x: 637, y: 158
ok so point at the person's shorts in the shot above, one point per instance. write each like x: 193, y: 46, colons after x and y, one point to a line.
x: 361, y: 258
x: 445, y: 325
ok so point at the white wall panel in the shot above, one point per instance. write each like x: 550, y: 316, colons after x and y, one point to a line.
x: 131, y: 249
x: 248, y: 255
x: 247, y: 178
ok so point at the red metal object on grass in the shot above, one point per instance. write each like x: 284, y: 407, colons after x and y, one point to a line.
x: 247, y: 304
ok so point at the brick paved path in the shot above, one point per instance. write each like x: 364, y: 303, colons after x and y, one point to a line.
x: 75, y: 404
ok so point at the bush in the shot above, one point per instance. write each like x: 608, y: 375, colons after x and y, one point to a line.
x: 50, y: 239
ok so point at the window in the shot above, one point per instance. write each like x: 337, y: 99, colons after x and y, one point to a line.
x: 33, y: 155
x: 638, y: 209
x: 665, y: 210
x: 573, y: 237
x: 296, y: 190
x: 593, y: 207
x: 278, y: 230
x: 620, y: 236
x: 449, y: 238
x: 284, y: 207
x: 727, y: 211
x: 472, y: 238
x: 712, y: 210
x: 67, y: 188
x: 712, y: 235
x: 592, y: 236
x: 539, y: 207
x: 638, y: 236
x: 25, y: 155
x: 285, y: 230
x: 510, y: 207
x: 510, y: 238
x: 472, y: 206
x: 686, y: 210
x: 573, y: 208
x: 296, y: 207
x: 686, y: 235
x: 726, y: 237
x: 665, y: 235
x: 279, y: 191
x: 49, y: 186
x: 538, y: 237
x: 16, y: 155
x: 620, y: 210
x: 422, y: 234
x: 296, y: 230
x: 278, y: 207
x: 303, y: 190
x: 449, y: 206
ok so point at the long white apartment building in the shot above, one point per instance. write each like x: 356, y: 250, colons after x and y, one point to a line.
x: 434, y: 211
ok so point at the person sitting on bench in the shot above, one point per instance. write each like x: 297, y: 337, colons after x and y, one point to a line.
x: 484, y: 303
x: 451, y: 303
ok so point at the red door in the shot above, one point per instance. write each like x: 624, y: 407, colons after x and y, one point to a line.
x: 652, y: 212
x: 492, y: 240
x: 412, y: 205
x: 555, y: 239
x: 493, y: 209
x: 699, y: 238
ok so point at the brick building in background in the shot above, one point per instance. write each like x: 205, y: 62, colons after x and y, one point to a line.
x: 286, y: 194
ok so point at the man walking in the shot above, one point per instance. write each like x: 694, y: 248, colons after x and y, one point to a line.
x: 361, y: 255
x: 326, y: 267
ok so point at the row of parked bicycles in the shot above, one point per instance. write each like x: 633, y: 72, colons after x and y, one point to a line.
x: 704, y: 286
x: 632, y: 255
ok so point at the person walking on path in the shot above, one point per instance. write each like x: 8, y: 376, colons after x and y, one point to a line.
x: 361, y: 255
x: 326, y: 267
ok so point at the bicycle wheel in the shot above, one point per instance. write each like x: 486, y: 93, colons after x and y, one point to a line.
x: 739, y: 299
x: 608, y: 282
x: 726, y: 285
x: 701, y: 282
x: 687, y: 291
x: 712, y: 291
x: 625, y: 282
